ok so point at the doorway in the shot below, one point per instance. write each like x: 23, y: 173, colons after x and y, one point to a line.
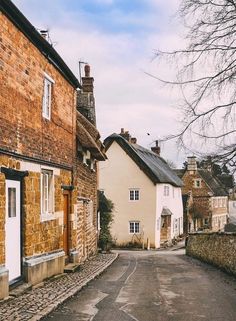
x: 13, y: 230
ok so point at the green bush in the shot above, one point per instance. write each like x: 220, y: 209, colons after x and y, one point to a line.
x: 105, y: 208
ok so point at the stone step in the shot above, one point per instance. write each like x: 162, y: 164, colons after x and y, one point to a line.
x: 20, y: 289
x: 71, y: 267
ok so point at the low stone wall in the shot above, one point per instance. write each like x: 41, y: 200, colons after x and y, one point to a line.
x: 217, y: 248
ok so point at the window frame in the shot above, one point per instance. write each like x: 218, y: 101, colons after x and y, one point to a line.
x: 136, y: 227
x: 166, y: 191
x: 47, y: 212
x: 47, y: 96
x: 136, y: 194
x: 196, y: 181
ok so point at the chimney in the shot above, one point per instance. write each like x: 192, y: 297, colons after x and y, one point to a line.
x: 125, y: 134
x: 87, y: 81
x: 156, y: 149
x: 133, y: 140
x: 85, y: 97
x: 192, y: 163
x: 44, y: 34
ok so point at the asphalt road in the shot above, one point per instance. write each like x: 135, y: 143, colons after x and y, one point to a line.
x: 154, y: 286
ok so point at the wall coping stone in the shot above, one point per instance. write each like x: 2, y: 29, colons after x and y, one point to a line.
x: 43, y: 258
x: 212, y: 233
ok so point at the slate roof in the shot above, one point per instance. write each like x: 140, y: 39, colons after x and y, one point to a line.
x: 212, y: 182
x: 179, y: 172
x: 154, y: 166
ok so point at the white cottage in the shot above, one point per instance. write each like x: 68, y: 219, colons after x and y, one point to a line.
x: 145, y: 191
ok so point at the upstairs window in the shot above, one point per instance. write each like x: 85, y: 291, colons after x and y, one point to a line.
x: 134, y: 227
x: 47, y: 96
x: 166, y: 190
x: 46, y: 193
x: 134, y: 194
x: 197, y: 183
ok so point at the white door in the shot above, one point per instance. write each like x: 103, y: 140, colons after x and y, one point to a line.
x: 13, y: 240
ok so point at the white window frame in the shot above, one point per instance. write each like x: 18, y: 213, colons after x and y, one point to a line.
x: 136, y: 227
x: 136, y: 194
x: 47, y: 96
x: 47, y: 205
x: 196, y: 182
x: 166, y: 190
x: 215, y: 202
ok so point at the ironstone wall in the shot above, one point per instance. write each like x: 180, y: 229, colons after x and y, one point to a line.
x: 216, y: 248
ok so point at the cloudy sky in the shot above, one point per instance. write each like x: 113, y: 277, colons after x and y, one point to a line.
x: 118, y: 39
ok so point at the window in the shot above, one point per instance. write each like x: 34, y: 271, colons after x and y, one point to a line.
x: 166, y: 190
x: 46, y: 192
x: 197, y: 183
x: 133, y: 194
x: 47, y: 96
x: 11, y: 202
x: 173, y: 190
x: 215, y: 203
x: 134, y: 227
x: 220, y: 202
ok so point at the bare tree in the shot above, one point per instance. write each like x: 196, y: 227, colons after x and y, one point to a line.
x: 207, y: 77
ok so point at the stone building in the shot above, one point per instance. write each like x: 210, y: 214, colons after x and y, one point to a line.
x: 205, y: 198
x: 48, y: 171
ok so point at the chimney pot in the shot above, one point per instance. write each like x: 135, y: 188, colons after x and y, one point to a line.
x: 87, y: 70
x: 125, y: 134
x: 133, y: 140
x: 156, y: 149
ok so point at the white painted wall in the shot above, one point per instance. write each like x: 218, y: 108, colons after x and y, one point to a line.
x: 174, y: 202
x: 117, y: 175
x: 232, y: 211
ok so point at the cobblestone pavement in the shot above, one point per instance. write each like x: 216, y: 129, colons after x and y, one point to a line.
x: 36, y: 303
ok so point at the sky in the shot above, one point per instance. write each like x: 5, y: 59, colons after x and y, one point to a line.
x: 118, y: 38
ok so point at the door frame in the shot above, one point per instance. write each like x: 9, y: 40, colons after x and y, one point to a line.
x: 67, y: 193
x: 15, y: 175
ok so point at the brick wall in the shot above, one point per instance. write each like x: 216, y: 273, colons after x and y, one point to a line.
x: 218, y: 249
x: 86, y: 241
x: 38, y: 236
x: 23, y: 129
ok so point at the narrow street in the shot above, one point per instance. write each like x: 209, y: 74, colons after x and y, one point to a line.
x: 154, y: 286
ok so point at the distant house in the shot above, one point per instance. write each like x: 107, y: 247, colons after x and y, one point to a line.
x: 145, y: 191
x: 48, y: 154
x: 205, y: 198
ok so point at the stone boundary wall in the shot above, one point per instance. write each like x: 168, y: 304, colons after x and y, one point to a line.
x: 217, y: 248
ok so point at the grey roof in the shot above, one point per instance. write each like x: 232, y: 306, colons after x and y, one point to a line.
x: 154, y: 166
x: 166, y: 211
x: 179, y: 172
x: 212, y: 182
